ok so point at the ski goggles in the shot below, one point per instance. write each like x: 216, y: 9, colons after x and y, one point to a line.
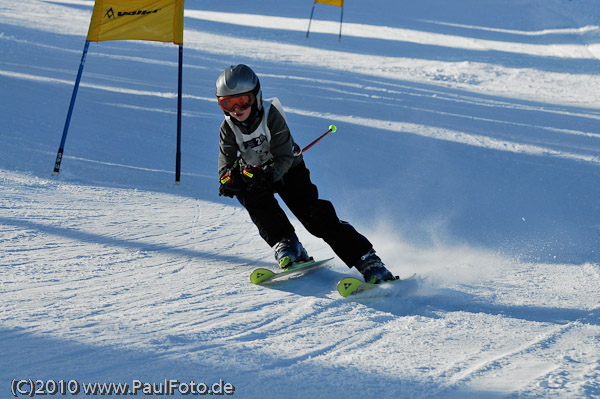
x: 241, y: 101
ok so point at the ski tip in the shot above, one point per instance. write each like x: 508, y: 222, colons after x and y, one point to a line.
x: 259, y: 275
x: 348, y: 286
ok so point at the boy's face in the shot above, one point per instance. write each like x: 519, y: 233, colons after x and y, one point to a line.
x: 241, y: 114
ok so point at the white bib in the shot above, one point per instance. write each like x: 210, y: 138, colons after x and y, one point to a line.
x: 255, y: 148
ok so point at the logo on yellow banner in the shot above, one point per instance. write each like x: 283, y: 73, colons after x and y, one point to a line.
x: 111, y: 13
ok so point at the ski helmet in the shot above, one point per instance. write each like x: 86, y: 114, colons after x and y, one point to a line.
x: 237, y: 80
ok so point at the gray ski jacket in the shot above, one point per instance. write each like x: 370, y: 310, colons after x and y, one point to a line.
x: 270, y: 140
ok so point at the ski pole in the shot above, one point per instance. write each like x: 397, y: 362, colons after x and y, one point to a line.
x: 332, y: 129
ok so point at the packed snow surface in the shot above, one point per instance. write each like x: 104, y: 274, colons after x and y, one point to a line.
x: 467, y: 151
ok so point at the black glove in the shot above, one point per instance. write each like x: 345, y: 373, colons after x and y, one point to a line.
x: 230, y: 183
x: 257, y: 177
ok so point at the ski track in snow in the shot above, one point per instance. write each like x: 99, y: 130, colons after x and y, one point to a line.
x: 111, y: 273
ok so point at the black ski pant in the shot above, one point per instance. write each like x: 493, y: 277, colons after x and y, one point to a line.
x: 316, y: 215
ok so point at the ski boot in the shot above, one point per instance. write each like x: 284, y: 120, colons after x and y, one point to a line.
x: 289, y: 252
x: 373, y: 269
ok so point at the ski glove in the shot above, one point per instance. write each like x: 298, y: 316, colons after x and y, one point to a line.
x: 257, y: 177
x: 230, y: 183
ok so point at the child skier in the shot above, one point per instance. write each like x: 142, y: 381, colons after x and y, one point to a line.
x: 258, y: 158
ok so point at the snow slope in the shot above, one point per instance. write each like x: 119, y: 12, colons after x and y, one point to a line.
x: 468, y: 151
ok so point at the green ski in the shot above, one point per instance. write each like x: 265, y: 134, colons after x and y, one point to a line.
x: 351, y: 286
x: 263, y: 276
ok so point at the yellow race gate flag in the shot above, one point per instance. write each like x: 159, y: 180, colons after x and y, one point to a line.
x: 339, y: 3
x: 157, y: 20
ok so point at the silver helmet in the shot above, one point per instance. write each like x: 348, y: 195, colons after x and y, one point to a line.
x: 237, y: 80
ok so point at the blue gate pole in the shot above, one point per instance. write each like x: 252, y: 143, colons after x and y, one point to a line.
x: 61, y: 149
x: 341, y: 21
x: 179, y: 95
x: 310, y: 20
